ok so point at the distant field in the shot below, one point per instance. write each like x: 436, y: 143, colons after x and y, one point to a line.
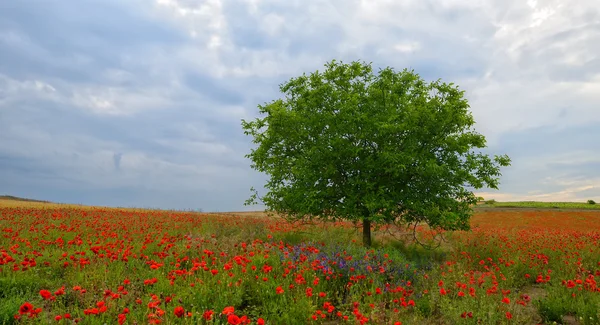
x: 13, y: 201
x: 7, y: 201
x: 542, y: 205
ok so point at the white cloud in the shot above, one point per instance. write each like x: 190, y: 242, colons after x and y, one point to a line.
x: 407, y: 47
x: 202, y: 18
x: 501, y: 107
x: 569, y: 194
x: 117, y: 101
x: 12, y: 90
x: 273, y: 24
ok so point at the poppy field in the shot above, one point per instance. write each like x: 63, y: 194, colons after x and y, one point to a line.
x: 65, y: 265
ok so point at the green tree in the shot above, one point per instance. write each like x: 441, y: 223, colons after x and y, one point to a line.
x: 348, y: 143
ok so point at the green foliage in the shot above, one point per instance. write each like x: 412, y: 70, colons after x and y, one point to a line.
x: 591, y: 202
x: 23, y: 285
x: 420, y: 256
x: 8, y: 306
x: 348, y: 143
x: 560, y: 304
x: 490, y: 202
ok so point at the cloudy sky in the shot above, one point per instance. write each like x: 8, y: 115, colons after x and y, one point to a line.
x: 138, y: 103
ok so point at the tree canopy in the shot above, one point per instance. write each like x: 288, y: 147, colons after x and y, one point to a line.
x: 349, y: 143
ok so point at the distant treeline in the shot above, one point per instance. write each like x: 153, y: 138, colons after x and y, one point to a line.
x: 590, y: 205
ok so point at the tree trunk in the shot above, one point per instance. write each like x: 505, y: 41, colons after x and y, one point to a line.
x: 366, y: 232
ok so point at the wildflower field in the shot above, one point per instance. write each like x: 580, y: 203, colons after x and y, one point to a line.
x: 64, y: 265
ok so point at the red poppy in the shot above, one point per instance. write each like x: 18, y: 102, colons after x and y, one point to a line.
x: 45, y: 294
x: 179, y: 311
x: 35, y: 312
x: 466, y: 315
x: 25, y: 308
x: 122, y: 318
x: 233, y: 319
x: 208, y: 315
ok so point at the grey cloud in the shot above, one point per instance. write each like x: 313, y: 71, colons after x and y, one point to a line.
x: 551, y: 140
x: 550, y: 159
x: 556, y: 50
x: 44, y: 142
x: 75, y: 41
x: 117, y: 160
x: 129, y: 104
x: 12, y: 169
x: 214, y: 88
x: 589, y: 194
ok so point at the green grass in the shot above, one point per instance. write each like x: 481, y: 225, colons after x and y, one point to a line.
x: 542, y: 205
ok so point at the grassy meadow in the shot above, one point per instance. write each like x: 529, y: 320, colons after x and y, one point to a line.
x: 68, y: 264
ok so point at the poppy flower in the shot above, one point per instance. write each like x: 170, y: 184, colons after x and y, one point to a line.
x: 46, y: 294
x: 25, y: 308
x: 233, y: 319
x: 179, y: 311
x: 208, y: 314
x: 35, y: 312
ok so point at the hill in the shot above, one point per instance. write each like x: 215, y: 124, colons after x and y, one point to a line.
x: 15, y: 198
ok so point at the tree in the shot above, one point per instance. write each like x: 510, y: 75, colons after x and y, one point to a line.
x: 348, y: 143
